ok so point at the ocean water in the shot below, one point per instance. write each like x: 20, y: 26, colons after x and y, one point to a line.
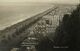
x: 12, y: 13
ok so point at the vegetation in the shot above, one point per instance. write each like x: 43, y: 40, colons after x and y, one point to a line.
x: 66, y: 35
x: 68, y: 32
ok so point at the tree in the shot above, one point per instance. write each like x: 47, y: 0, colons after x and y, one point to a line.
x: 68, y: 33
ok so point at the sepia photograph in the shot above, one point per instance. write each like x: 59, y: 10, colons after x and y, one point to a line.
x: 39, y: 25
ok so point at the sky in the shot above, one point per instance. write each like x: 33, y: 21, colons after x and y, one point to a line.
x: 53, y: 1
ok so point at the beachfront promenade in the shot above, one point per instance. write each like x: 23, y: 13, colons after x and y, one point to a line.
x: 30, y: 31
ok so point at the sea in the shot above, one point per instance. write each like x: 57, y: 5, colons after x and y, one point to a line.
x: 14, y: 12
